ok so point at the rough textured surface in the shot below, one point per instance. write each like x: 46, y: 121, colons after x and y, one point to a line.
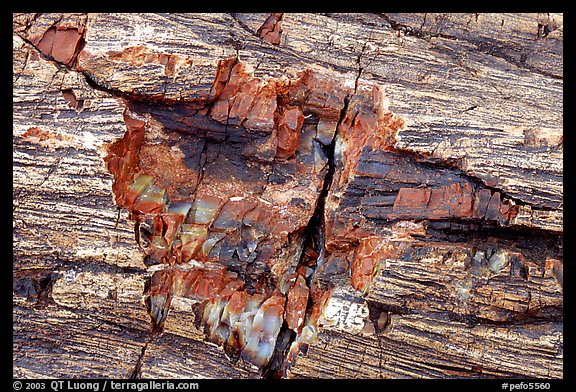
x: 406, y: 170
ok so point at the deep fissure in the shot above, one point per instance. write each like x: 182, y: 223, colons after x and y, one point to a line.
x: 137, y: 371
x: 314, y: 237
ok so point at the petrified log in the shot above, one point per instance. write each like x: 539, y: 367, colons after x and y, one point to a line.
x: 316, y: 204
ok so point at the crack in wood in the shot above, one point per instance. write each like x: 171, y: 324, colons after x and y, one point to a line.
x: 137, y: 371
x: 314, y: 237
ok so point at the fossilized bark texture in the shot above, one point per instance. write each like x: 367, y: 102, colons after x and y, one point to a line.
x: 349, y: 195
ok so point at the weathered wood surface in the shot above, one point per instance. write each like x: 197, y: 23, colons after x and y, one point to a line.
x: 481, y: 97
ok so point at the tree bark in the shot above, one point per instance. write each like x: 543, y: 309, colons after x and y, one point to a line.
x: 438, y: 191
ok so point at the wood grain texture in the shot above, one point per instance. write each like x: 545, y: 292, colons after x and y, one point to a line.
x: 481, y: 96
x: 444, y: 348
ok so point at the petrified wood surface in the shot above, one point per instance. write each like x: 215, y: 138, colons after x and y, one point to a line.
x: 282, y: 195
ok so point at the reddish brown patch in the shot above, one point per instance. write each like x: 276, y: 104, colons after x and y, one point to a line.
x: 172, y: 223
x: 179, y: 179
x: 412, y: 198
x: 199, y: 282
x: 241, y: 104
x: 460, y: 199
x: 368, y: 124
x: 46, y: 42
x: 237, y: 302
x: 370, y: 252
x: 61, y: 43
x: 290, y: 125
x: 69, y: 96
x: 222, y: 76
x: 122, y: 159
x: 66, y: 45
x: 556, y: 267
x: 134, y: 54
x: 320, y: 299
x: 449, y: 201
x: 271, y: 29
x: 170, y: 68
x: 296, y: 304
x: 261, y: 115
x: 140, y: 55
x: 553, y: 263
x: 37, y: 133
x: 506, y: 212
x: 235, y: 91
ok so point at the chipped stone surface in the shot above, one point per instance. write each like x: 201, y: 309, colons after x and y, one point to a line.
x: 241, y: 227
